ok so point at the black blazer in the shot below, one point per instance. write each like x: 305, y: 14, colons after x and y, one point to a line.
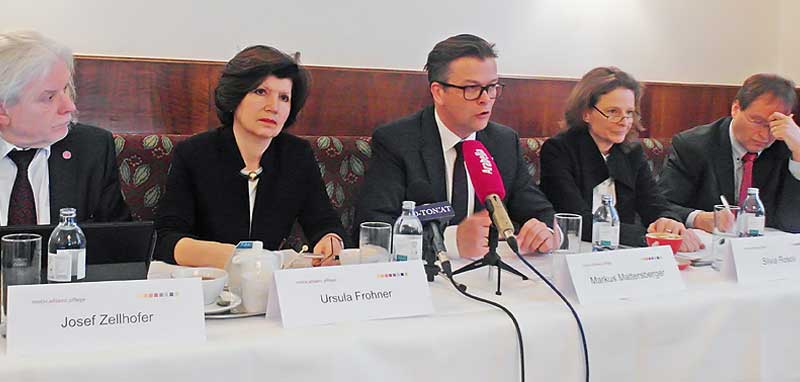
x: 207, y: 198
x: 572, y: 166
x: 409, y: 150
x: 84, y: 175
x: 700, y: 169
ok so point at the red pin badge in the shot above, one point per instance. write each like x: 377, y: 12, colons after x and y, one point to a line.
x: 66, y: 154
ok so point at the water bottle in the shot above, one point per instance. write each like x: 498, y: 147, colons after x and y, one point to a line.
x: 752, y: 215
x: 605, y: 226
x: 66, y: 250
x: 407, y: 235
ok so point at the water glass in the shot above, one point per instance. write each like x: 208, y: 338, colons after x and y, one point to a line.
x: 725, y: 222
x: 375, y: 241
x: 21, y: 262
x: 569, y: 227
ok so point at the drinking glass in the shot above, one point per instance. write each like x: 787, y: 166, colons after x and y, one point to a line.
x: 569, y: 226
x: 725, y: 222
x: 375, y: 240
x: 21, y: 262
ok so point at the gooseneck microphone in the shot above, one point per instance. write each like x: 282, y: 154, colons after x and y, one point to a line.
x: 489, y: 187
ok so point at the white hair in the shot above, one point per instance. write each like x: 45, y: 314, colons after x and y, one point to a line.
x: 26, y: 56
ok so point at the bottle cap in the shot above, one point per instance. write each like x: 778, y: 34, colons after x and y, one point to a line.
x: 752, y: 190
x: 409, y: 204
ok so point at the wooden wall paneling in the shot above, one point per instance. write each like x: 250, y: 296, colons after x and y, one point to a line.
x: 145, y: 96
x: 355, y: 101
x: 176, y: 97
x: 669, y: 108
x: 534, y: 107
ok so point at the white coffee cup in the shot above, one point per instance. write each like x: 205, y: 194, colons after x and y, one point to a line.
x: 350, y: 256
x: 256, y: 288
x: 213, y: 280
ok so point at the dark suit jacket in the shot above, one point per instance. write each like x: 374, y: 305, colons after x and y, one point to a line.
x: 700, y: 169
x: 84, y: 175
x: 410, y: 150
x: 572, y: 166
x: 207, y: 198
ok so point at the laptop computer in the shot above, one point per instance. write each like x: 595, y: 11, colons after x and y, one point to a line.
x: 114, y: 251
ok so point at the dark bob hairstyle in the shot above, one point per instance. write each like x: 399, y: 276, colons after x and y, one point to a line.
x: 248, y: 69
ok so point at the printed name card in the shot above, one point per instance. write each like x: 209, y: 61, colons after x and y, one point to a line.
x: 313, y: 296
x: 613, y: 275
x: 103, y: 315
x: 756, y: 259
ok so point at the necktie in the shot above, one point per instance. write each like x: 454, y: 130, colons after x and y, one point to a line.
x: 460, y: 189
x: 21, y: 206
x: 747, y: 175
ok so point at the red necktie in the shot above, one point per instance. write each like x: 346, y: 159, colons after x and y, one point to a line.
x: 22, y: 206
x: 747, y: 175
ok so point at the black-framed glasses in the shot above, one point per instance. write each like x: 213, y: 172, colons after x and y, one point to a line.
x: 473, y: 92
x: 617, y: 116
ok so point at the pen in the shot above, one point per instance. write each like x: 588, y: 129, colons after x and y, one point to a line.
x: 725, y: 202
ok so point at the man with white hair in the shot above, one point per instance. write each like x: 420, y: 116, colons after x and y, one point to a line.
x: 48, y: 162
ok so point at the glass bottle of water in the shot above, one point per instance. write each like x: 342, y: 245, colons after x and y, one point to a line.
x: 752, y: 215
x: 407, y: 235
x: 605, y: 226
x: 66, y: 250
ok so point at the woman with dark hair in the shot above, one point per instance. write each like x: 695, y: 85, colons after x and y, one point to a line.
x: 248, y: 179
x: 596, y: 155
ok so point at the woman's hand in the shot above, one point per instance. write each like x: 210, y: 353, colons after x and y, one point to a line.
x: 691, y: 242
x: 329, y: 245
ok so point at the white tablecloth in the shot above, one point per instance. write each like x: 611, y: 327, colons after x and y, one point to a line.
x: 714, y: 331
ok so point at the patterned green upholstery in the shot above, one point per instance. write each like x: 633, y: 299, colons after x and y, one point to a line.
x: 143, y: 161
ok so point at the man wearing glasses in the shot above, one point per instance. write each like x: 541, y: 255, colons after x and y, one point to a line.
x: 757, y: 146
x: 424, y: 150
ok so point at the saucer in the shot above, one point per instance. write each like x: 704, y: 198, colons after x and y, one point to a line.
x: 214, y: 308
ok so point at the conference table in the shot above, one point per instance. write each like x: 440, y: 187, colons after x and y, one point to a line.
x: 715, y: 330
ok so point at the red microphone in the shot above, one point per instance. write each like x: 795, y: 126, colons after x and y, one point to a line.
x: 488, y: 184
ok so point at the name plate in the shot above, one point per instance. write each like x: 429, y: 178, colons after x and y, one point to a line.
x: 103, y: 315
x: 613, y: 275
x: 763, y: 258
x: 314, y: 296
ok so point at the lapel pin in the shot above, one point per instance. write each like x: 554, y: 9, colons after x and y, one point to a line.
x: 66, y: 154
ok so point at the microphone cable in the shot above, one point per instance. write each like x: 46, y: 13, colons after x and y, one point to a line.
x: 512, y: 242
x: 448, y: 272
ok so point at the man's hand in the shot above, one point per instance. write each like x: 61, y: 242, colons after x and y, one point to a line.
x: 705, y: 221
x: 783, y: 128
x: 472, y: 235
x: 535, y: 236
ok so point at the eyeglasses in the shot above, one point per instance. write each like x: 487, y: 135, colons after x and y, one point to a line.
x: 473, y: 92
x: 758, y: 122
x: 616, y: 116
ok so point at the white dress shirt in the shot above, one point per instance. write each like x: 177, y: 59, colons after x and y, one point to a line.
x: 38, y: 175
x: 449, y: 142
x: 605, y: 187
x: 737, y: 152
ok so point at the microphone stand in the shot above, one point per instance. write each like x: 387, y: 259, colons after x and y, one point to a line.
x: 429, y: 254
x: 491, y: 259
